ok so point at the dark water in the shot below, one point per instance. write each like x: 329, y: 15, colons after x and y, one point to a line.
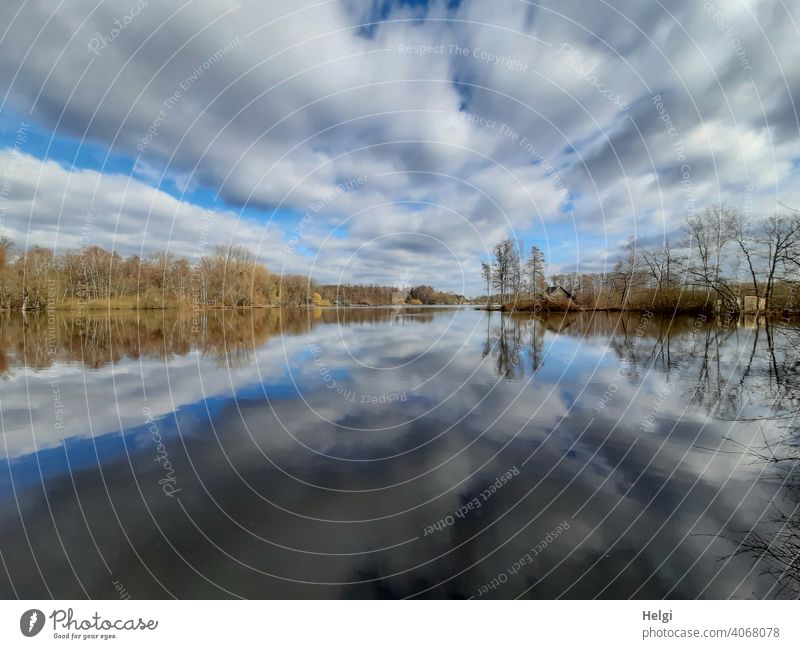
x: 395, y: 453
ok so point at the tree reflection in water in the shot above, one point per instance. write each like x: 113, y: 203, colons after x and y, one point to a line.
x: 746, y: 371
x: 775, y: 542
x: 230, y: 336
x: 742, y: 372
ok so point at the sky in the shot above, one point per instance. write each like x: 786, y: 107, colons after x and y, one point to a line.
x: 392, y: 142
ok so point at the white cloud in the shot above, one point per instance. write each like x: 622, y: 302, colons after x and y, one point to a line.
x: 309, y: 99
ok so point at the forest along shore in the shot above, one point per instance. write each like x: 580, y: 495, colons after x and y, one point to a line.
x: 92, y: 278
x: 722, y: 262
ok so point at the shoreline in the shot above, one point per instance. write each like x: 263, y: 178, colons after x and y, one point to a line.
x: 193, y: 309
x: 664, y: 311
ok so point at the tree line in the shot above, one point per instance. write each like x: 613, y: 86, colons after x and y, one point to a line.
x: 372, y: 294
x: 720, y: 258
x: 38, y: 278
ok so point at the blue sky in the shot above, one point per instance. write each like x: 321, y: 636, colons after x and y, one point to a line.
x: 466, y: 122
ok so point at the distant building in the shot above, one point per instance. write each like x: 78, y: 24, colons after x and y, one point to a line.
x: 753, y: 304
x: 749, y: 304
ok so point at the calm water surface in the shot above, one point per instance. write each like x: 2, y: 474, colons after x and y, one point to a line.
x: 394, y: 452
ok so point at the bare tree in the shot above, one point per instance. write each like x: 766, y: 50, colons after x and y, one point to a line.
x: 505, y: 261
x: 708, y: 233
x: 782, y: 241
x: 8, y: 283
x: 742, y: 235
x: 486, y: 275
x: 534, y: 267
x: 35, y: 265
x: 658, y: 264
x: 627, y: 272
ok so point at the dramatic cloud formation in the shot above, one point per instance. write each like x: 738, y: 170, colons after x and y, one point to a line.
x: 571, y: 124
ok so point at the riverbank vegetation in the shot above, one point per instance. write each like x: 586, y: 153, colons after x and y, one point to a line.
x: 722, y: 262
x: 94, y: 278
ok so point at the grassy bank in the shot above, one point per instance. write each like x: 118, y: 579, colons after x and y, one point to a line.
x: 565, y: 305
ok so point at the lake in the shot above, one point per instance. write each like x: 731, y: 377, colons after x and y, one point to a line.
x: 395, y: 452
